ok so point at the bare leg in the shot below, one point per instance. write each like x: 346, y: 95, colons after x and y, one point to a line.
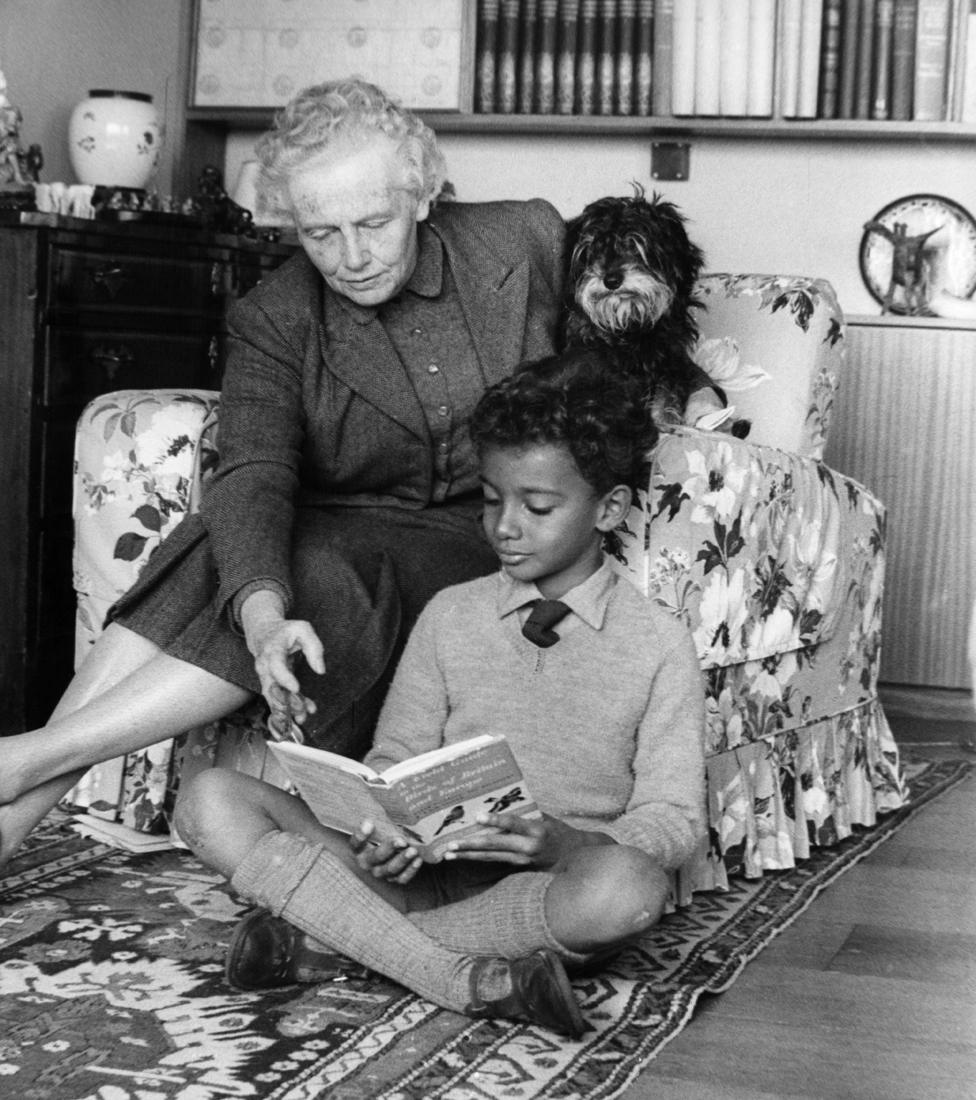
x: 127, y: 695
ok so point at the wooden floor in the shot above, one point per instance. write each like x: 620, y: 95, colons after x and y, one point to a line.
x: 871, y: 993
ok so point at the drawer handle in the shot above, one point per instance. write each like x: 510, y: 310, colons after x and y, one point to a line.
x: 112, y: 277
x: 112, y: 359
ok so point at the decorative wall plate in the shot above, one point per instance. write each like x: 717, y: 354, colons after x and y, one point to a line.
x: 916, y: 248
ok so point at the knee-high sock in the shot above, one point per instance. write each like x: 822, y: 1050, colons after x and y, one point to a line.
x: 315, y: 891
x: 508, y: 919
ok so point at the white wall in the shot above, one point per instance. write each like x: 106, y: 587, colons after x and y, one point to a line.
x: 53, y: 51
x: 766, y: 206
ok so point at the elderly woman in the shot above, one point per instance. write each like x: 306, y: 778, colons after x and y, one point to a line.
x: 346, y: 492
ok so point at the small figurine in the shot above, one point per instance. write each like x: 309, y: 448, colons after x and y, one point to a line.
x: 910, y: 266
x: 18, y: 170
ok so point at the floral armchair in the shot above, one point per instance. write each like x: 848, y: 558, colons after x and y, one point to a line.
x: 775, y: 562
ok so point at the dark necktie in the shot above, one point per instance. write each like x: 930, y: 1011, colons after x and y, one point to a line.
x: 543, y: 617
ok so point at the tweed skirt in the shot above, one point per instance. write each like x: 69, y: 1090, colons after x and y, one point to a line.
x: 360, y: 576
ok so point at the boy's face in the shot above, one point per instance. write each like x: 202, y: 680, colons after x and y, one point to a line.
x: 543, y: 519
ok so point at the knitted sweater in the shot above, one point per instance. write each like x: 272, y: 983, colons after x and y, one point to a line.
x: 607, y: 724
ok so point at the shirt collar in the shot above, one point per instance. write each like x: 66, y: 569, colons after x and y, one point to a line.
x: 587, y: 600
x: 426, y: 281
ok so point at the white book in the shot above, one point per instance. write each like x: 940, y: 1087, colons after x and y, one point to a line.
x: 708, y: 57
x: 683, y: 58
x: 734, y: 78
x: 789, y: 80
x: 762, y: 57
x: 430, y: 800
x: 810, y: 35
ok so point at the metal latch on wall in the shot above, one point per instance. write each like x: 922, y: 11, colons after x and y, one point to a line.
x: 670, y: 160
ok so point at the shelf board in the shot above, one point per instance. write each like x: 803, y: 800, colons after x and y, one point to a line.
x: 260, y: 118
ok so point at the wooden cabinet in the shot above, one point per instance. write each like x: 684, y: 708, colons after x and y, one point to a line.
x: 87, y: 307
x: 903, y: 425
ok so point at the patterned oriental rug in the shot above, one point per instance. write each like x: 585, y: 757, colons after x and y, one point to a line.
x: 112, y: 988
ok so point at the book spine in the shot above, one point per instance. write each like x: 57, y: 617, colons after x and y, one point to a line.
x: 903, y: 33
x: 811, y: 29
x: 734, y: 58
x: 708, y: 57
x: 626, y: 39
x: 932, y: 42
x: 662, y: 63
x: 830, y: 59
x: 487, y: 53
x: 762, y: 58
x: 566, y: 26
x: 791, y: 24
x: 528, y: 14
x: 967, y: 73
x: 545, y: 58
x: 606, y: 56
x: 643, y: 57
x: 586, y: 43
x: 884, y: 17
x: 506, y: 86
x: 848, y: 59
x: 865, y: 60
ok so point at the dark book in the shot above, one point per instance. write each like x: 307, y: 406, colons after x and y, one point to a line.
x: 643, y: 57
x: 606, y: 59
x: 487, y: 55
x: 624, y: 70
x: 884, y: 25
x: 506, y: 79
x: 545, y: 57
x: 933, y: 40
x: 662, y: 61
x: 431, y: 800
x: 528, y: 15
x: 586, y: 45
x: 864, y: 84
x: 903, y: 59
x: 829, y: 87
x: 850, y: 19
x: 566, y: 34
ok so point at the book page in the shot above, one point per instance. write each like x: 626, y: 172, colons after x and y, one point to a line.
x: 339, y: 796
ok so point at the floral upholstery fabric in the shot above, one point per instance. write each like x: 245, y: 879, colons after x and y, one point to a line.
x: 140, y: 456
x: 774, y: 561
x: 775, y: 343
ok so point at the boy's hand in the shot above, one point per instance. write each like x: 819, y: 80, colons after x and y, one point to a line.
x: 526, y: 842
x: 392, y: 860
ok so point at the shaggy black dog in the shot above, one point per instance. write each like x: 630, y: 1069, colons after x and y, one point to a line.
x: 630, y: 281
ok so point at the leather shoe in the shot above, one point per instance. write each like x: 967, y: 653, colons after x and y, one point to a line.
x: 266, y: 952
x: 539, y: 992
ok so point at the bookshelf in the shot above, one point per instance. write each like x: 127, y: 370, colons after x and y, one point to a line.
x: 513, y: 48
x: 207, y: 129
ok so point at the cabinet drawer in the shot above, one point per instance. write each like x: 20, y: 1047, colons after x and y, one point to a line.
x: 83, y: 364
x: 132, y: 286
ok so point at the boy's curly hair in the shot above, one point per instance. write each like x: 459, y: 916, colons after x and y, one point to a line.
x: 577, y: 399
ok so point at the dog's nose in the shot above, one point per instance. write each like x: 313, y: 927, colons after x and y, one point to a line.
x: 612, y: 280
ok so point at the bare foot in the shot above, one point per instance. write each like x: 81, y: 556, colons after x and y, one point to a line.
x: 18, y: 818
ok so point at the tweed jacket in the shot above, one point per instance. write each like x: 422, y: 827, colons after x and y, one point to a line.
x: 316, y: 408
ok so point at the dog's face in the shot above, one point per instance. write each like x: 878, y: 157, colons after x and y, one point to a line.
x: 630, y: 260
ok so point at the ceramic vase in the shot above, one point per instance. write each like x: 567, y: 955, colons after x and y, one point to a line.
x: 114, y: 139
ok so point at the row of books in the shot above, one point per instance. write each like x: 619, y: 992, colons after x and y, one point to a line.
x: 829, y: 59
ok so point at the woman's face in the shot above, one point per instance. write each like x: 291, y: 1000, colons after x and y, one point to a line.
x: 357, y: 221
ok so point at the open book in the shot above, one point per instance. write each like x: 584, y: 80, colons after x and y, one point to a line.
x: 430, y: 799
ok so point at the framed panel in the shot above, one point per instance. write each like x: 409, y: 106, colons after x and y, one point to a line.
x: 260, y: 53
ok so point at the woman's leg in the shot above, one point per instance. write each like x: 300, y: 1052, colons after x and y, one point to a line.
x: 126, y: 695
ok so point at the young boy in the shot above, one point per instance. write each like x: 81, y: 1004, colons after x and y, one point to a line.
x: 603, y: 708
